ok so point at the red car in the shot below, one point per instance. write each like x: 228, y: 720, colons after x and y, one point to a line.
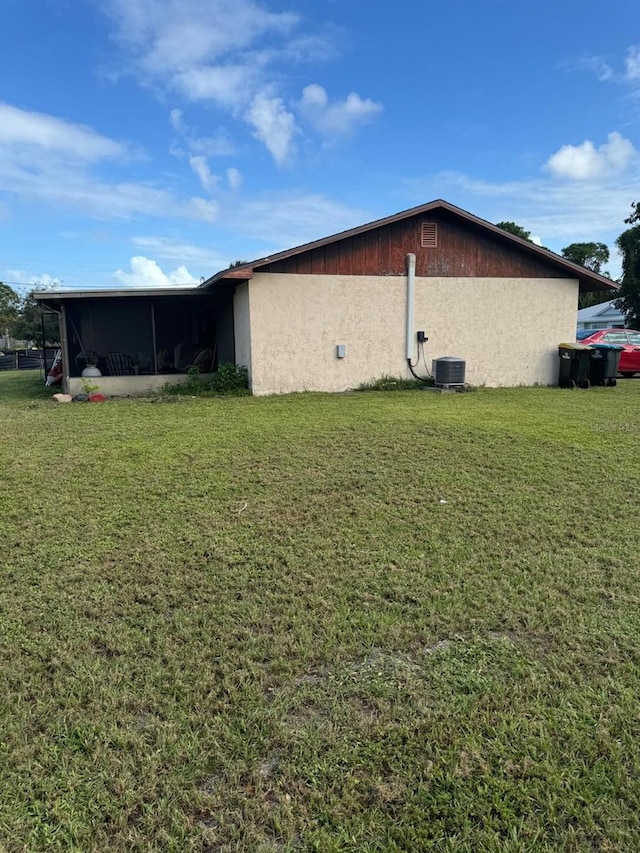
x: 627, y: 338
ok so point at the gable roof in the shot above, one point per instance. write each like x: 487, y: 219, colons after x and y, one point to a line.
x: 588, y: 279
x: 593, y: 311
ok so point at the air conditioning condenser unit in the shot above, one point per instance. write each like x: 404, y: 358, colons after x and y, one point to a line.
x: 448, y: 372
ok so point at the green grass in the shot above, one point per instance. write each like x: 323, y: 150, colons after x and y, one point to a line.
x: 253, y: 625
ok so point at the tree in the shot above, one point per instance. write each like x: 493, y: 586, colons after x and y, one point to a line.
x: 9, y: 309
x: 512, y: 228
x: 634, y: 216
x: 592, y: 256
x: 589, y: 255
x: 629, y: 244
x: 30, y: 321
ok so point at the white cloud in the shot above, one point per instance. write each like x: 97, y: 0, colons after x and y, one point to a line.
x: 226, y: 85
x: 146, y: 272
x: 258, y: 226
x: 288, y: 219
x: 339, y: 117
x: 558, y: 212
x: 21, y: 277
x: 48, y: 133
x: 632, y: 63
x: 46, y: 159
x: 231, y: 53
x: 200, y: 166
x: 314, y: 97
x: 176, y: 121
x: 171, y: 249
x: 316, y: 47
x: 202, y: 209
x: 602, y: 70
x: 171, y: 35
x: 273, y: 125
x: 61, y: 186
x: 585, y: 162
x: 205, y: 146
x: 598, y: 66
x: 234, y: 178
x: 176, y: 150
x: 628, y: 75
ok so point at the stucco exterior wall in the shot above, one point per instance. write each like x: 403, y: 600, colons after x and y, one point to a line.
x: 507, y: 330
x: 242, y: 327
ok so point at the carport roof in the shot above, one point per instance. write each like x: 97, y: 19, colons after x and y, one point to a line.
x: 54, y: 298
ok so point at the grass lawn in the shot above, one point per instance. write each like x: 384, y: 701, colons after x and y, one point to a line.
x: 365, y: 622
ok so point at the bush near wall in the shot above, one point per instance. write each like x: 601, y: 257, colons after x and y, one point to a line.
x: 227, y: 379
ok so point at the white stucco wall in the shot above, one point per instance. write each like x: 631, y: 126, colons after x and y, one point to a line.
x: 242, y: 326
x: 507, y: 330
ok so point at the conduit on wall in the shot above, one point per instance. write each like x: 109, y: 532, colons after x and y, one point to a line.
x: 411, y: 287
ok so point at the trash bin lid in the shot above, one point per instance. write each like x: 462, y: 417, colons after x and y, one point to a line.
x: 607, y: 346
x: 574, y: 346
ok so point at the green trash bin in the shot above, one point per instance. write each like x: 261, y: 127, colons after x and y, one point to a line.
x: 603, y: 364
x: 574, y: 365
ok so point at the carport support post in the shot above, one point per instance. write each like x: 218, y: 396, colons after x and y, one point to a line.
x: 153, y: 333
x: 64, y: 348
x: 44, y: 346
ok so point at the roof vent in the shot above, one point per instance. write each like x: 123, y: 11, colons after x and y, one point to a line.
x: 428, y: 235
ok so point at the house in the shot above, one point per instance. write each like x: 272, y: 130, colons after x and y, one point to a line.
x: 337, y: 312
x: 602, y: 316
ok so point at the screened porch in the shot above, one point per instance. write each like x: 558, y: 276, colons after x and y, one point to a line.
x: 143, y: 334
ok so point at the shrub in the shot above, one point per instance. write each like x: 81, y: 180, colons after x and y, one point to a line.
x: 391, y: 383
x: 228, y: 379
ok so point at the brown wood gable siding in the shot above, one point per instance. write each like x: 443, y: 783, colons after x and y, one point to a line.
x: 463, y: 250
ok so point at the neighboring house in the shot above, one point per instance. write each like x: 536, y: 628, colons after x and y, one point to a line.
x: 602, y: 316
x: 340, y: 311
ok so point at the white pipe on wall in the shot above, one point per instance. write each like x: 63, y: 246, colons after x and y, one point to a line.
x: 411, y: 287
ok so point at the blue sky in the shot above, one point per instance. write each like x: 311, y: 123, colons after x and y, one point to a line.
x: 151, y: 142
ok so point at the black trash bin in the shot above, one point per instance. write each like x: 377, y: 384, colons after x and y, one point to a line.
x: 603, y: 364
x: 574, y: 365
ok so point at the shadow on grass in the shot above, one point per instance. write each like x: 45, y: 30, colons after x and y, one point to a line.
x: 21, y: 385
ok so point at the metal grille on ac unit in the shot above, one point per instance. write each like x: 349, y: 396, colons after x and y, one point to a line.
x: 448, y: 372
